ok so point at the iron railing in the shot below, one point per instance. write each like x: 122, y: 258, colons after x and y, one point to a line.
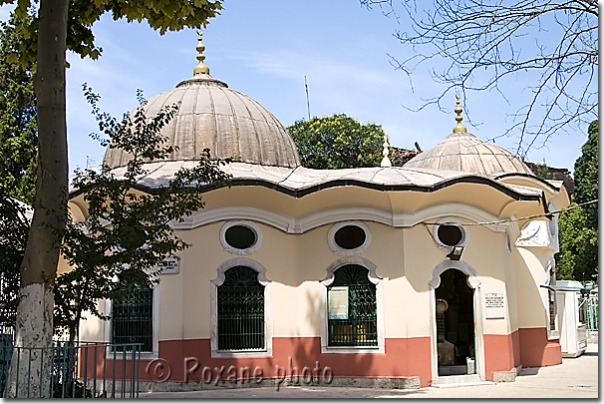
x: 6, y: 349
x: 241, y: 311
x: 589, y: 312
x: 84, y: 370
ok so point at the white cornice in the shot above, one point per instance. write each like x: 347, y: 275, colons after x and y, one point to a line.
x: 300, y: 225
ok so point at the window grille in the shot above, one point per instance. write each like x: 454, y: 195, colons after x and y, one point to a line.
x: 132, y: 317
x: 240, y: 310
x: 360, y: 328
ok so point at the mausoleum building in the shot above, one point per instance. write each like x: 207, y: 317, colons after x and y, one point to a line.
x: 407, y: 274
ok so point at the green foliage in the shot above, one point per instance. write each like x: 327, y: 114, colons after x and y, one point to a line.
x: 542, y: 171
x: 337, y: 142
x: 18, y: 126
x: 126, y: 232
x: 586, y: 175
x: 578, y: 228
x: 162, y: 15
x: 578, y: 257
x: 19, y: 150
x: 14, y: 227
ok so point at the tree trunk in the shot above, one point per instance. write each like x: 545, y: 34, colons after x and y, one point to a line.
x: 34, y: 326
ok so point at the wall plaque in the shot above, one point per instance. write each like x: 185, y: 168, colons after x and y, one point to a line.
x: 338, y: 303
x: 168, y: 266
x: 495, y: 305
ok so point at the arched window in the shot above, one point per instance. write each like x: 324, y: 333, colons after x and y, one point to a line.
x: 132, y: 317
x: 352, y: 308
x: 240, y: 310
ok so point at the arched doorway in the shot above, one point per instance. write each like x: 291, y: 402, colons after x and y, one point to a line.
x: 455, y: 324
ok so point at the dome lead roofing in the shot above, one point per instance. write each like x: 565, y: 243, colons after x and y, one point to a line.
x: 210, y: 115
x: 462, y: 151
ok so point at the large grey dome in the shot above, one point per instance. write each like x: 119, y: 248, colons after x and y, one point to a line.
x: 462, y: 151
x: 229, y: 123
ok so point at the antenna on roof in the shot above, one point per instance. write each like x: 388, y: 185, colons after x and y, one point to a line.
x: 307, y: 99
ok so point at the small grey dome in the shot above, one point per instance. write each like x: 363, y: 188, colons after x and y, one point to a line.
x: 229, y: 123
x: 463, y: 151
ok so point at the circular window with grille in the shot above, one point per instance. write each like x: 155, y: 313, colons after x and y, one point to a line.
x: 450, y: 232
x: 347, y: 238
x: 240, y: 237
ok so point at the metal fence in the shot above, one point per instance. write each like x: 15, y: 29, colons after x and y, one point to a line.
x: 84, y: 370
x: 591, y: 312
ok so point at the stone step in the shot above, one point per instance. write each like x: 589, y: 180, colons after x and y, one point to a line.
x: 458, y: 380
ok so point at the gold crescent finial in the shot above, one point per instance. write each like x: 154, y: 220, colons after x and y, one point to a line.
x: 201, y: 67
x: 458, y: 110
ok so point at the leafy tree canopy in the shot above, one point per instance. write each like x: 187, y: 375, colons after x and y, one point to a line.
x: 586, y: 175
x: 160, y: 15
x: 18, y: 125
x: 338, y: 141
x: 14, y: 226
x: 578, y: 257
x: 19, y: 149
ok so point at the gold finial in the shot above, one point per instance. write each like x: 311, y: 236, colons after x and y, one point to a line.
x: 458, y: 110
x: 201, y: 67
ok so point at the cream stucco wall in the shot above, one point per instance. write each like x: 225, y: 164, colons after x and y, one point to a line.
x: 531, y: 271
x: 405, y: 257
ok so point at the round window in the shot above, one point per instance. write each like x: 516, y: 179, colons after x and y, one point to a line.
x: 240, y: 237
x: 450, y: 235
x: 350, y: 237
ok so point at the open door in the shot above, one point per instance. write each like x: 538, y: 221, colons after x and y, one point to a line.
x: 455, y: 325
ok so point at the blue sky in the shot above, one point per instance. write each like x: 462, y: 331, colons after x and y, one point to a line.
x: 264, y: 48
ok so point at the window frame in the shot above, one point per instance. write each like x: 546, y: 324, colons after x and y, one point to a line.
x: 379, y: 297
x: 153, y: 354
x: 268, y: 329
x: 451, y: 221
x: 344, y: 251
x: 354, y: 323
x: 240, y: 251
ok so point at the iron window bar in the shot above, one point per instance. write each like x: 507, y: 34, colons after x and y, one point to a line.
x: 241, y: 311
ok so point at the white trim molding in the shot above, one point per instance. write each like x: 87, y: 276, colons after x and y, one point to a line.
x: 300, y: 225
x: 268, y: 325
x: 343, y: 251
x: 474, y: 283
x: 379, y: 296
x: 243, y: 223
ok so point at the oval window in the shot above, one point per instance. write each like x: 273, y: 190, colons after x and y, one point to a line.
x: 240, y: 237
x: 350, y: 237
x: 450, y: 235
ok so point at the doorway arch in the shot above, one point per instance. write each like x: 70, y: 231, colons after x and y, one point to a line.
x: 473, y: 283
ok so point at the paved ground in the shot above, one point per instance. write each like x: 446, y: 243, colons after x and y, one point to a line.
x: 575, y: 378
